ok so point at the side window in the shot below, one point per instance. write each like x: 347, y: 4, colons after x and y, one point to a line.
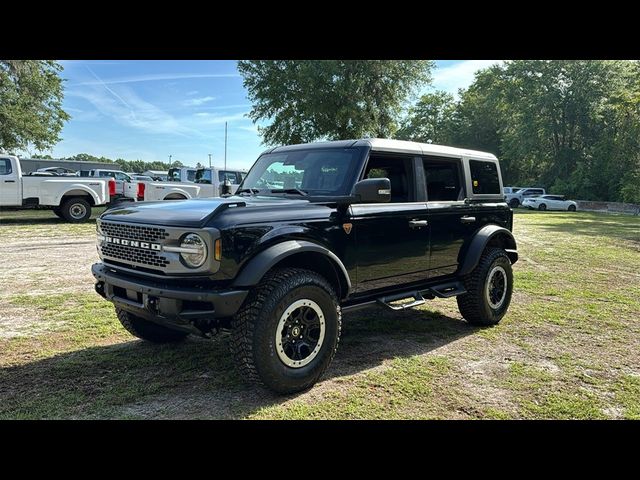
x: 484, y: 177
x: 5, y: 166
x: 443, y: 180
x: 122, y: 176
x: 399, y: 172
x: 226, y: 175
x: 191, y: 175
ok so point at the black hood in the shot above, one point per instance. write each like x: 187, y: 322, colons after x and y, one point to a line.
x: 186, y: 213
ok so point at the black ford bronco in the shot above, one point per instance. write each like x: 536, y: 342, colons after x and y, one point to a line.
x: 314, y: 231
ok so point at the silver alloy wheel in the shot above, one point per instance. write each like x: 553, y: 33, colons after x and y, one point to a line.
x: 300, y: 333
x: 77, y: 211
x: 495, y: 288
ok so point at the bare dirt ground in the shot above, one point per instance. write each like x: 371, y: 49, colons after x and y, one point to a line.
x: 567, y: 349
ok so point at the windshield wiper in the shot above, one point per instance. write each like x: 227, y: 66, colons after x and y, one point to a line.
x: 290, y: 190
x: 252, y: 191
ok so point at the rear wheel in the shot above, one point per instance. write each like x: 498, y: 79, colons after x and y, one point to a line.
x: 76, y: 210
x: 287, y: 332
x: 489, y: 289
x: 572, y: 208
x: 147, y: 330
x: 542, y: 207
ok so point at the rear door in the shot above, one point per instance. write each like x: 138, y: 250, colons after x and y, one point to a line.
x: 450, y: 218
x: 392, y: 238
x: 9, y: 184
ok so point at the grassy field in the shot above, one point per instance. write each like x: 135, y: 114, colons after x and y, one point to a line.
x: 568, y: 348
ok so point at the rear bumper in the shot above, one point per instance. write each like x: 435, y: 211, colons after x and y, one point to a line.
x: 175, y: 307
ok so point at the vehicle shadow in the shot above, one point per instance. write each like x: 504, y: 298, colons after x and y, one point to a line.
x: 197, y: 378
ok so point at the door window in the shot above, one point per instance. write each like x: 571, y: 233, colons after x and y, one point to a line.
x: 398, y: 171
x: 5, y: 166
x: 443, y: 180
x: 227, y: 175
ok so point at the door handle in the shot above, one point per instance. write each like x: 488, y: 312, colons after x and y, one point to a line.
x: 418, y: 223
x: 9, y: 181
x: 467, y: 219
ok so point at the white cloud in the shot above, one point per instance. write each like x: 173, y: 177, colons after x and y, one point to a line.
x: 459, y: 75
x: 154, y: 77
x: 194, y: 102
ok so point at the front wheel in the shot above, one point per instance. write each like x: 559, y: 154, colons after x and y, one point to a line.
x: 489, y: 289
x: 147, y: 330
x: 514, y: 203
x: 542, y: 207
x: 287, y: 332
x: 572, y: 208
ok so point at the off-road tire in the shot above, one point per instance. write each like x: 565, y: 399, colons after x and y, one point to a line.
x: 254, y: 329
x: 572, y: 208
x: 474, y: 305
x: 58, y: 212
x: 147, y: 330
x: 514, y: 203
x: 542, y: 207
x: 68, y: 207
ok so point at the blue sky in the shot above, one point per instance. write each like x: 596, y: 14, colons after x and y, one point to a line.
x: 152, y: 109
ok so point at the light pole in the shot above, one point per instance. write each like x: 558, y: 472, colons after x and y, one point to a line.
x: 209, y: 160
x: 170, y: 159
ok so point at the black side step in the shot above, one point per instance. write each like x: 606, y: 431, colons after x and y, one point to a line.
x: 447, y: 290
x: 444, y: 290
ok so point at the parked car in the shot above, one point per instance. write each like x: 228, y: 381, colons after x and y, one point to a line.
x: 370, y: 222
x: 70, y: 198
x: 58, y: 171
x: 515, y: 198
x: 550, y: 202
x: 143, y: 178
x: 119, y: 176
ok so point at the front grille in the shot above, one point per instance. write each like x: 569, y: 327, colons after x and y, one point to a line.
x: 127, y: 254
x: 136, y: 255
x: 133, y: 232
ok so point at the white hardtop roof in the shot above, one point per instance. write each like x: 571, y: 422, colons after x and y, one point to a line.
x: 383, y: 144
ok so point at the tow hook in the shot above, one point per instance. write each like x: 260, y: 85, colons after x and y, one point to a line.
x: 152, y: 304
x: 100, y: 289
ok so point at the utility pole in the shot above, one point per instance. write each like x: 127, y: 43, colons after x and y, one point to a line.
x: 170, y: 159
x: 225, y: 145
x: 209, y: 160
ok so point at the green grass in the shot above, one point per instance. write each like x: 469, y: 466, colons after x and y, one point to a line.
x: 30, y: 224
x: 568, y: 348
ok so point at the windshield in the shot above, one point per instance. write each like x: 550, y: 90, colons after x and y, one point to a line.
x: 328, y: 172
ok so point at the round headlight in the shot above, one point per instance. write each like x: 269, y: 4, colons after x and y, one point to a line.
x: 198, y: 250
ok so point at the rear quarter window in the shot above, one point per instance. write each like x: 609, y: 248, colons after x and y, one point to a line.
x: 484, y: 177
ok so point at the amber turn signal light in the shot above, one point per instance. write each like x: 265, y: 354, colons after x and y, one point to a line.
x: 217, y: 249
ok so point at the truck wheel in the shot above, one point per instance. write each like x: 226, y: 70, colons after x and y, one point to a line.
x: 147, y: 330
x: 287, y: 332
x: 542, y: 207
x: 514, y: 203
x: 489, y: 289
x: 58, y: 212
x: 76, y: 210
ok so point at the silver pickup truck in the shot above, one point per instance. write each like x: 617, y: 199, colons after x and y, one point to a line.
x: 70, y: 198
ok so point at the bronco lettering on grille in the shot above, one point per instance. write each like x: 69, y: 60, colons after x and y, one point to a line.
x: 130, y: 243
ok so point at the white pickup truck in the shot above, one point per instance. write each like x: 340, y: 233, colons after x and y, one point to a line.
x: 208, y: 183
x: 70, y: 198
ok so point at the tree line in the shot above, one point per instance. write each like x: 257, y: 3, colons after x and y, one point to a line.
x: 570, y: 126
x: 125, y: 165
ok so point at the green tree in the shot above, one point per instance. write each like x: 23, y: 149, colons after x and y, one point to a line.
x: 431, y: 119
x: 332, y: 99
x: 31, y: 113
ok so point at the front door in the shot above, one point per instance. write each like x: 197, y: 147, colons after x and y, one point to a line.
x: 392, y: 238
x: 9, y: 184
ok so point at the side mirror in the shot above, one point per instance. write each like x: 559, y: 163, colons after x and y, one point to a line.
x: 373, y: 190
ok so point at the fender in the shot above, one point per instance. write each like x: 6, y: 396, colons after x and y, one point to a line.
x: 178, y: 191
x: 256, y: 268
x: 481, y: 239
x: 84, y: 188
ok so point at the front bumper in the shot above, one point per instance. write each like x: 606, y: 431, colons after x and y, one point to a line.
x: 177, y: 307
